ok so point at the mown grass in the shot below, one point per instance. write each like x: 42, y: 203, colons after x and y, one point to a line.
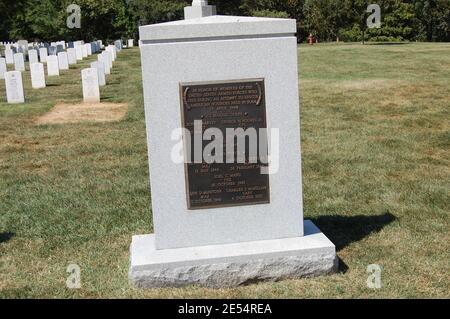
x: 375, y: 148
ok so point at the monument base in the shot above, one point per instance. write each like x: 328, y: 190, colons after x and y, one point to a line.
x: 231, y: 265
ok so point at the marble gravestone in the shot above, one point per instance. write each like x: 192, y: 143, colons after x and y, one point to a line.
x: 224, y: 224
x: 109, y: 55
x: 84, y: 51
x: 88, y: 49
x: 91, y: 91
x: 52, y: 65
x: 3, y: 68
x: 33, y: 56
x: 118, y: 45
x: 130, y: 43
x: 43, y: 55
x: 72, y: 56
x: 9, y: 55
x: 100, y: 67
x: 106, y: 59
x: 63, y: 61
x: 14, y: 87
x: 19, y: 62
x: 79, y: 52
x: 37, y: 75
x: 23, y: 45
x: 52, y: 50
x: 113, y: 50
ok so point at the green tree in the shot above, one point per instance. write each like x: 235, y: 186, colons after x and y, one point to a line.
x: 45, y: 20
x: 323, y: 18
x: 9, y: 9
x: 433, y: 19
x: 145, y: 12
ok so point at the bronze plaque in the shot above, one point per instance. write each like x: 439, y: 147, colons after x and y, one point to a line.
x: 224, y: 105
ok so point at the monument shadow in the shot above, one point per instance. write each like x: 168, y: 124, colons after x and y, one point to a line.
x: 5, y: 237
x: 344, y: 230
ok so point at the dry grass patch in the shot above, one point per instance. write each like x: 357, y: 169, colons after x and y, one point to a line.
x: 83, y: 112
x: 368, y: 84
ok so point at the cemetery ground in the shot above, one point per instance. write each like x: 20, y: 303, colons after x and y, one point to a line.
x: 376, y: 172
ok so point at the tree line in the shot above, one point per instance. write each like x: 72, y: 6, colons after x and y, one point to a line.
x: 327, y: 20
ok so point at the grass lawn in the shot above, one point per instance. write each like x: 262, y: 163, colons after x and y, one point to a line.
x: 376, y: 165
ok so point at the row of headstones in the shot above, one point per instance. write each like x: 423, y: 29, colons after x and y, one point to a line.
x: 75, y: 51
x: 92, y: 77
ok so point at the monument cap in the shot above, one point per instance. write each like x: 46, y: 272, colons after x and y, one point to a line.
x: 217, y: 27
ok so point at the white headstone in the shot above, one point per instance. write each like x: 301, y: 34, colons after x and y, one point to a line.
x: 33, y: 56
x: 37, y: 75
x: 63, y: 61
x: 79, y: 51
x: 84, y: 51
x: 3, y: 68
x: 106, y: 60
x: 91, y: 91
x: 101, y: 72
x: 88, y: 49
x: 9, y: 55
x: 130, y: 43
x: 52, y: 65
x: 72, y: 56
x: 14, y: 87
x: 43, y: 54
x: 52, y: 50
x: 19, y: 62
x: 23, y: 44
x: 110, y: 56
x: 118, y: 44
x: 112, y: 49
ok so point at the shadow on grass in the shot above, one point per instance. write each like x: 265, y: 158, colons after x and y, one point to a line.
x: 106, y: 98
x: 4, y: 237
x: 342, y: 266
x: 344, y: 230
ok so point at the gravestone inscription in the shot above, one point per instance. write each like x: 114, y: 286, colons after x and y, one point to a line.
x: 225, y: 105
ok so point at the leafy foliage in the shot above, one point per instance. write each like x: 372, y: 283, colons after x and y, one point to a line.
x: 410, y: 20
